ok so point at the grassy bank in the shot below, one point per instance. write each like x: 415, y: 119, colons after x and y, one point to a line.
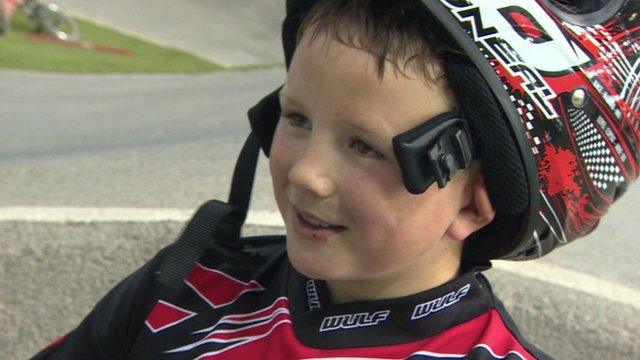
x: 19, y: 51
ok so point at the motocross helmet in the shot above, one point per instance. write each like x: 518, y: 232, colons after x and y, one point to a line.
x: 551, y: 93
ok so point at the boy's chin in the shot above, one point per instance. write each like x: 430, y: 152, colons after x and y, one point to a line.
x: 323, y: 269
x: 322, y: 263
x: 314, y: 266
x: 310, y: 268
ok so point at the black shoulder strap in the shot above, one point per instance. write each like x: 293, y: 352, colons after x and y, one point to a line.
x: 216, y: 224
x: 243, y: 176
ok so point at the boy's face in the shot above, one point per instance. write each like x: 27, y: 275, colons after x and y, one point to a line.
x: 332, y: 161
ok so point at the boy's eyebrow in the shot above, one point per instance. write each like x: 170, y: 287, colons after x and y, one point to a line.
x: 364, y: 127
x: 284, y: 96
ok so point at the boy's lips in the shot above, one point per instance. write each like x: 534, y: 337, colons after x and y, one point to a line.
x: 303, y: 226
x: 313, y: 218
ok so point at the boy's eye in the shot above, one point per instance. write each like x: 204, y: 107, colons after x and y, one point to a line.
x: 365, y: 149
x: 296, y: 120
x: 357, y: 145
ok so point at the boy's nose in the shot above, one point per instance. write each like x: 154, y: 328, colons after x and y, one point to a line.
x: 313, y: 173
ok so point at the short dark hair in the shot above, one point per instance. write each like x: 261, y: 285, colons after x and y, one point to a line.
x: 399, y: 31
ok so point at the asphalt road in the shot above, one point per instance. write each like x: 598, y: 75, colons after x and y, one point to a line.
x: 89, y: 144
x: 170, y: 141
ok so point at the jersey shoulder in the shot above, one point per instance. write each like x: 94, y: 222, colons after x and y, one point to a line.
x: 500, y: 333
x: 140, y: 306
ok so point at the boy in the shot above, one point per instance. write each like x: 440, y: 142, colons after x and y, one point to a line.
x: 383, y: 252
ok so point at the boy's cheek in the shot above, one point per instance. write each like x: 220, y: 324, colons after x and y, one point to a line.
x: 277, y: 157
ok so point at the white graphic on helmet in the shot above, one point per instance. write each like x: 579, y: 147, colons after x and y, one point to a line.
x: 525, y: 40
x: 601, y: 163
x: 557, y: 54
x: 617, y: 66
x: 562, y: 238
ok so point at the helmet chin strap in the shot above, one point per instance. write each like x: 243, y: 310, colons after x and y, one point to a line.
x: 433, y: 151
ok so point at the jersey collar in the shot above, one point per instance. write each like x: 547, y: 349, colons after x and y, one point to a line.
x: 320, y: 324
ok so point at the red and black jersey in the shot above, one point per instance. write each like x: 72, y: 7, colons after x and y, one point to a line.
x: 227, y: 309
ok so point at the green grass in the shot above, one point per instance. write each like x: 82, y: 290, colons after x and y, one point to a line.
x: 18, y: 51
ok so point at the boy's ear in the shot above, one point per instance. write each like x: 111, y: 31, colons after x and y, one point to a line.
x: 475, y: 213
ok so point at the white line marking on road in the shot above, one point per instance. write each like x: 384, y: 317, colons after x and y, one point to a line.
x: 116, y: 214
x: 536, y: 269
x: 575, y: 280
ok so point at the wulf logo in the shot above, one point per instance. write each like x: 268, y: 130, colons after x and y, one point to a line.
x: 435, y: 305
x: 351, y: 321
x: 312, y: 296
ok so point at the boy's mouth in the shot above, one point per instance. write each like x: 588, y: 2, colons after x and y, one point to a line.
x: 312, y: 227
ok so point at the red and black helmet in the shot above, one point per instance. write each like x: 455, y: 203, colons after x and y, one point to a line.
x: 550, y: 89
